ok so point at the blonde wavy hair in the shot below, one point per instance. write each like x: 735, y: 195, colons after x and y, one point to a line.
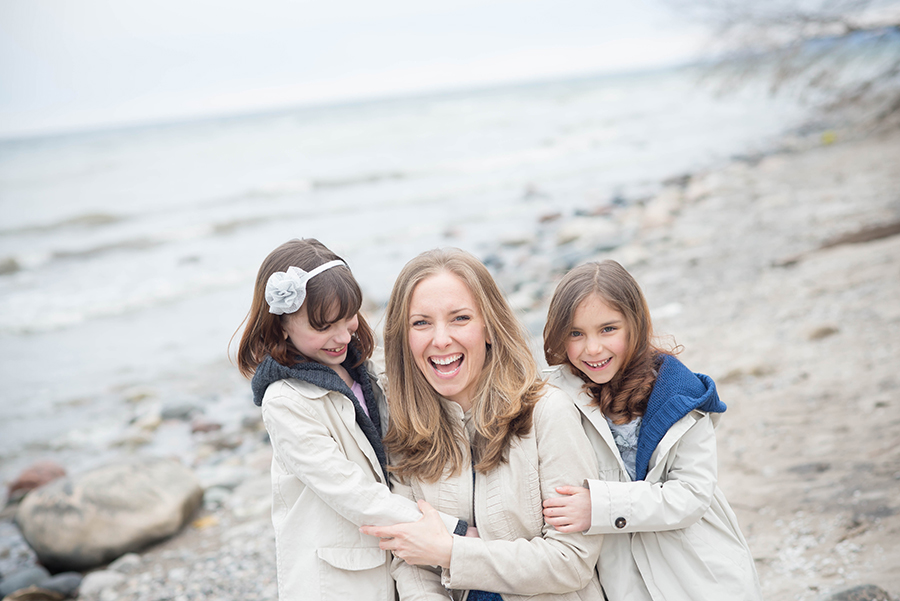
x: 421, y: 438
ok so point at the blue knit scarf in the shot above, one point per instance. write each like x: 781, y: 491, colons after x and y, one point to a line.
x: 677, y: 392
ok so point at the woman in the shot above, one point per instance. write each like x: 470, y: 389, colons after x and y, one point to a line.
x: 476, y: 434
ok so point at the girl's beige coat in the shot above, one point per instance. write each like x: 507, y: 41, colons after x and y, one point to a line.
x: 517, y: 553
x: 326, y: 483
x: 672, y: 536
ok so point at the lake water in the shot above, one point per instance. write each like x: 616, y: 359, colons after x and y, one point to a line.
x: 129, y: 256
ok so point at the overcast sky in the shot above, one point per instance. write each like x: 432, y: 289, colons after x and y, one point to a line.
x: 78, y: 64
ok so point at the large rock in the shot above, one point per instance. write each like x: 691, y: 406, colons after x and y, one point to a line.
x: 80, y: 522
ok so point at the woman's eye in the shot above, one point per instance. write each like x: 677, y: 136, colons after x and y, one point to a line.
x: 419, y: 323
x: 462, y: 318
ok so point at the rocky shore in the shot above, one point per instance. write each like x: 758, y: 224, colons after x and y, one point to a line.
x: 779, y: 275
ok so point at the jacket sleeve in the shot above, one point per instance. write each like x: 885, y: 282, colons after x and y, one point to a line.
x: 678, y: 500
x: 416, y: 583
x: 553, y: 562
x: 309, y: 451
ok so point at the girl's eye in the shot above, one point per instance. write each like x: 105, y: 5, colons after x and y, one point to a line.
x: 609, y: 329
x: 324, y: 328
x: 574, y: 334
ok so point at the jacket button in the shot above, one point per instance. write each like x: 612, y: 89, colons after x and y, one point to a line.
x: 620, y: 522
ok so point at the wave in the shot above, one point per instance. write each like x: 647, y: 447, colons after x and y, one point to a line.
x: 359, y: 180
x: 88, y: 220
x: 131, y: 245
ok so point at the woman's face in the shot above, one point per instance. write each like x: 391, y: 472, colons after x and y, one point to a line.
x: 447, y: 336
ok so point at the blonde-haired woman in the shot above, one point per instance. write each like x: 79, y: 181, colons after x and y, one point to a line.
x: 475, y: 433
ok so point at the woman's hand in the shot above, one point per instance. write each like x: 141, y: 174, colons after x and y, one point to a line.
x: 423, y: 542
x: 571, y: 512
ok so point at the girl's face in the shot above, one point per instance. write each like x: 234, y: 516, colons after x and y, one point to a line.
x: 598, y: 340
x: 327, y: 346
x: 447, y: 336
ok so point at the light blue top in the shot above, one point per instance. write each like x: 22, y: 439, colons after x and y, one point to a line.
x: 626, y: 437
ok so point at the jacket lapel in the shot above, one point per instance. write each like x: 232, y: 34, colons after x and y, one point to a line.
x: 348, y: 416
x: 572, y: 386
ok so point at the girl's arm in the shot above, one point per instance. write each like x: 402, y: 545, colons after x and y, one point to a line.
x: 616, y: 507
x: 309, y: 451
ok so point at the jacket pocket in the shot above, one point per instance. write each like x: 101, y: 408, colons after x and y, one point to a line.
x: 354, y: 573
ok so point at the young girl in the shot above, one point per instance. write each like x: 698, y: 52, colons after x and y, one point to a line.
x: 307, y: 346
x: 670, y: 533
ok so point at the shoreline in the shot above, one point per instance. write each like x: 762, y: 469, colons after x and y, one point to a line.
x: 799, y: 338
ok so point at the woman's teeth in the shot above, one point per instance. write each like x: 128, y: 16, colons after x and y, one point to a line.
x: 446, y: 365
x: 446, y: 360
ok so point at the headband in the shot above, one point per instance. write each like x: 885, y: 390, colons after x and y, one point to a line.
x: 286, y: 291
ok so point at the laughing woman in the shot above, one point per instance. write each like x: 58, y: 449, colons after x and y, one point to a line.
x: 476, y: 434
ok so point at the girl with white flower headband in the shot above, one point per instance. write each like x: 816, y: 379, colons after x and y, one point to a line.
x: 307, y: 348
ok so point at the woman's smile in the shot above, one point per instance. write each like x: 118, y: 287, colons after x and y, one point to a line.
x: 447, y: 336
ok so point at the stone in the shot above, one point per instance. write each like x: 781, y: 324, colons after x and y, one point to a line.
x: 126, y: 564
x: 34, y: 476
x: 76, y: 523
x: 95, y: 583
x: 34, y: 593
x: 204, y: 425
x: 64, y: 583
x: 23, y: 579
x: 179, y: 411
x: 865, y: 592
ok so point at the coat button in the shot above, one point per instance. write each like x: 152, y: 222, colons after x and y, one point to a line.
x: 620, y: 522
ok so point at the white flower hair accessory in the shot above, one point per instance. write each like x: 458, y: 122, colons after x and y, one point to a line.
x: 286, y: 291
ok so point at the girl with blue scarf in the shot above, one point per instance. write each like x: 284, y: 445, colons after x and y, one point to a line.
x: 670, y: 533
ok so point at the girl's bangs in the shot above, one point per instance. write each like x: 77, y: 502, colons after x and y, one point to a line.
x: 325, y: 306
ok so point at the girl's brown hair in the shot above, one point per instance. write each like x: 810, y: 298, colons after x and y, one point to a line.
x: 625, y: 396
x: 331, y: 295
x: 421, y: 437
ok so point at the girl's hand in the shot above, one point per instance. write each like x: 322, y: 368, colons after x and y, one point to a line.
x: 571, y: 512
x: 423, y: 542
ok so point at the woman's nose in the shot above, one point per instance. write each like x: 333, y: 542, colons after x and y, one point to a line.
x: 441, y: 337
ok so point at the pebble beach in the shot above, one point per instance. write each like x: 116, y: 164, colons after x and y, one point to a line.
x: 779, y: 274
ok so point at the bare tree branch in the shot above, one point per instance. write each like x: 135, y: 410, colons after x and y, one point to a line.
x: 844, y: 54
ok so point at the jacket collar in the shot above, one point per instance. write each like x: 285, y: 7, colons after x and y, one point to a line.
x: 326, y: 379
x: 676, y: 393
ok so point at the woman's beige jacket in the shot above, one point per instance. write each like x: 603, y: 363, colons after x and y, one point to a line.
x: 517, y: 554
x: 671, y: 536
x: 326, y: 483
